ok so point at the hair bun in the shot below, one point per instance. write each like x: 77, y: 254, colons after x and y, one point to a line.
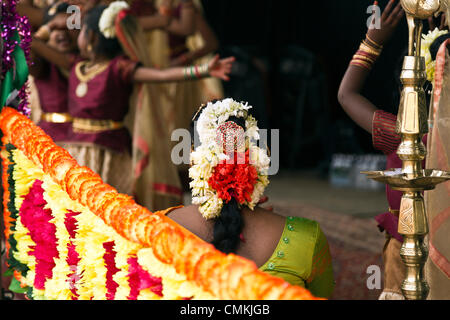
x: 228, y: 163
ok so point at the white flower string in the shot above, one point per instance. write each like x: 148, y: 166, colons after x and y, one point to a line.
x: 107, y: 20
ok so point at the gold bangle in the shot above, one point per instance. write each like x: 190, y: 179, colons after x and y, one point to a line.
x: 371, y: 50
x: 358, y: 63
x: 367, y: 44
x: 204, y: 70
x: 375, y: 44
x: 367, y: 49
x: 361, y: 57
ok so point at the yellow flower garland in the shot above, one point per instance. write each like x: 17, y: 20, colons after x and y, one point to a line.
x: 163, y: 248
x: 24, y: 175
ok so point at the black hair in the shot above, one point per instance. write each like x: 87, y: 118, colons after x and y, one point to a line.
x: 228, y: 227
x: 53, y: 10
x: 105, y: 46
x: 229, y: 224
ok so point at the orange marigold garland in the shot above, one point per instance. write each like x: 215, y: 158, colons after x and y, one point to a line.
x: 225, y: 276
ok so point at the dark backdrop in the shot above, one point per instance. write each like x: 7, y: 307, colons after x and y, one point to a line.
x: 332, y: 31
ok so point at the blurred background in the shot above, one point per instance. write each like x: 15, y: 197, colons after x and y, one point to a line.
x: 291, y: 57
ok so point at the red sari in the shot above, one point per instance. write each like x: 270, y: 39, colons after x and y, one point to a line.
x: 107, y: 98
x: 106, y: 151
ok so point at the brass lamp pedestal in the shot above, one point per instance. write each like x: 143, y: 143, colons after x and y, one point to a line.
x: 412, y: 179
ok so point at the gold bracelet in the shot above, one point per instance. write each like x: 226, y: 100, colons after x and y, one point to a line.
x: 358, y: 63
x: 369, y: 49
x: 203, y: 70
x: 366, y: 48
x: 361, y: 57
x: 367, y: 43
x: 375, y: 44
x: 373, y: 47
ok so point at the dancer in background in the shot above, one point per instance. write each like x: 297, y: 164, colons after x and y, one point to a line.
x: 183, y: 39
x: 100, y: 87
x: 187, y: 39
x: 191, y: 47
x: 49, y: 82
x: 381, y: 125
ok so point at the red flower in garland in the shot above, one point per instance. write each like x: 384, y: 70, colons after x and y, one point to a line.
x: 139, y: 279
x: 234, y: 180
x: 110, y: 263
x: 36, y: 218
x: 72, y: 255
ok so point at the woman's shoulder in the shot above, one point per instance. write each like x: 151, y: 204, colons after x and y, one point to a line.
x: 304, y: 225
x: 190, y: 218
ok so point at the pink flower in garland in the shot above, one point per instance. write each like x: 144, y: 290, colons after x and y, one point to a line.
x: 139, y: 279
x: 37, y: 220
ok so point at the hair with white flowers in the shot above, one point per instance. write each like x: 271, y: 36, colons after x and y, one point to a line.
x: 107, y: 20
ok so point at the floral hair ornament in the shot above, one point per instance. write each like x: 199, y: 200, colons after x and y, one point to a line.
x: 228, y: 162
x: 107, y: 20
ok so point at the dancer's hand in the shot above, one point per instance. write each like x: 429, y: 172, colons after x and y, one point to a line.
x: 390, y: 19
x: 221, y: 68
x: 59, y: 22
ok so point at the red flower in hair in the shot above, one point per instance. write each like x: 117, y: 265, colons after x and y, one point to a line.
x: 234, y: 180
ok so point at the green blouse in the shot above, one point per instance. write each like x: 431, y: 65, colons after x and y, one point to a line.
x: 302, y: 257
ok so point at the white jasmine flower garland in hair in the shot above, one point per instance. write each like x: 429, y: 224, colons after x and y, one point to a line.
x: 243, y: 181
x: 107, y: 21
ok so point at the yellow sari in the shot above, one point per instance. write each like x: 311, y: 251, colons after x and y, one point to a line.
x: 156, y: 184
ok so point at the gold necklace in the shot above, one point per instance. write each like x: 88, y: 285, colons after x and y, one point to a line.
x: 87, y: 76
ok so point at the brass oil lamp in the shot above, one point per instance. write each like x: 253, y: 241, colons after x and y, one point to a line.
x: 412, y: 179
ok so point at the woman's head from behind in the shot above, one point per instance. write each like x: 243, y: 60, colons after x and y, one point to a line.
x: 228, y: 169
